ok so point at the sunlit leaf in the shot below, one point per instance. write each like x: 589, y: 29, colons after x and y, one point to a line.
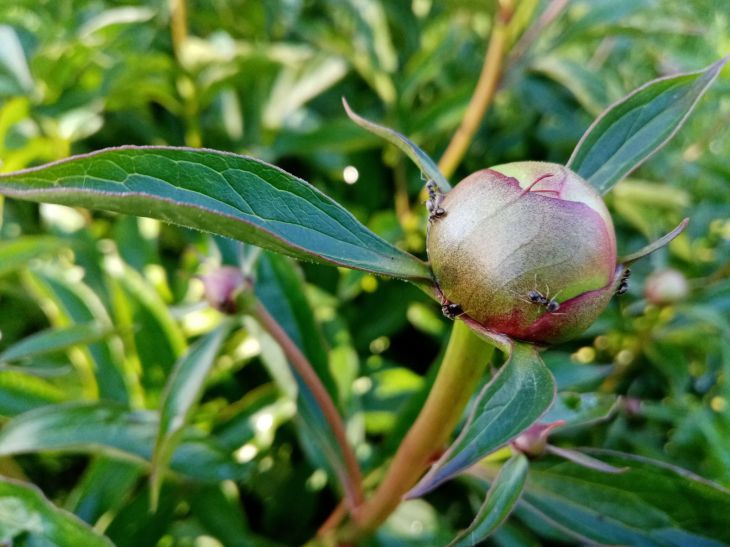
x: 110, y: 428
x: 638, y: 125
x: 53, y: 340
x: 17, y: 252
x: 514, y: 399
x: 26, y: 515
x: 182, y: 392
x: 227, y: 194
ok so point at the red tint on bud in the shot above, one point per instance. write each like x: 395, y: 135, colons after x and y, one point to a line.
x: 525, y: 249
x: 666, y: 287
x: 533, y: 442
x: 222, y: 288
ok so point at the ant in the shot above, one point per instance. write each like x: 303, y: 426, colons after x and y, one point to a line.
x: 449, y: 309
x: 536, y: 297
x: 623, y: 285
x: 433, y: 204
x: 549, y: 302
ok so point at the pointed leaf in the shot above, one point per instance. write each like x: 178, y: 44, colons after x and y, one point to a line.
x: 654, y: 245
x: 182, y: 392
x: 76, y: 303
x: 408, y: 147
x: 512, y: 401
x: 26, y: 512
x: 112, y: 429
x: 501, y: 498
x: 53, y: 340
x: 650, y: 504
x: 218, y: 192
x: 634, y: 128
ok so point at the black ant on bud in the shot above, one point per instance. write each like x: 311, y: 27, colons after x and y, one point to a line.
x: 433, y: 204
x: 550, y: 304
x: 623, y: 285
x: 449, y: 309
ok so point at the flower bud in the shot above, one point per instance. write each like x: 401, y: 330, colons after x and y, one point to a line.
x: 222, y: 288
x: 666, y: 287
x: 525, y: 249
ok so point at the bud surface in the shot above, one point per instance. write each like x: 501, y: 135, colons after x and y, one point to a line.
x: 525, y: 249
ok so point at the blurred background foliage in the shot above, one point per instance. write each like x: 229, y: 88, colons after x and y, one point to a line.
x: 124, y: 300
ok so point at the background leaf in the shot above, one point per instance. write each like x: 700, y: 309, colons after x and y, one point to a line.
x: 218, y: 192
x: 650, y: 504
x: 501, y: 498
x: 631, y: 130
x: 184, y: 388
x: 26, y: 513
x: 514, y: 399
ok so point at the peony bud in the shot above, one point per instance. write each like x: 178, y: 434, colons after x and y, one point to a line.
x: 222, y: 288
x: 666, y: 287
x: 525, y: 249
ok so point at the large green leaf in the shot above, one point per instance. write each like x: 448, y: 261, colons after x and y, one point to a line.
x: 638, y: 125
x: 25, y: 511
x: 512, y: 401
x: 501, y: 498
x: 650, y: 504
x: 182, y: 392
x: 218, y: 192
x: 109, y: 428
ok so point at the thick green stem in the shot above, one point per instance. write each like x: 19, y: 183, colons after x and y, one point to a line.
x: 461, y: 369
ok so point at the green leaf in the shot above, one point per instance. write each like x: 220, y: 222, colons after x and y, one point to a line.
x: 218, y: 192
x: 152, y: 336
x: 103, y: 488
x: 654, y: 245
x: 408, y: 147
x: 75, y: 303
x: 21, y: 392
x: 182, y: 392
x: 53, y: 340
x: 501, y: 498
x: 24, y: 510
x: 16, y: 253
x: 519, y: 394
x: 650, y: 504
x: 638, y: 125
x: 110, y: 428
x: 280, y: 287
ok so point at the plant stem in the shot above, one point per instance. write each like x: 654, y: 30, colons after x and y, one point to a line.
x: 178, y: 24
x: 461, y: 369
x: 466, y: 355
x: 352, y: 479
x: 483, y: 94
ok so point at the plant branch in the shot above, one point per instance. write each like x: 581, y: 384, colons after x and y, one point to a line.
x: 483, y: 94
x: 352, y: 480
x: 461, y: 369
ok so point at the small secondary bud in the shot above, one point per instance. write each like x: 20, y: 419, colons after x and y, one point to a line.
x: 666, y: 287
x: 222, y: 288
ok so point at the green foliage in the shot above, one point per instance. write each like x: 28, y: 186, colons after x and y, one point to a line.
x: 96, y: 309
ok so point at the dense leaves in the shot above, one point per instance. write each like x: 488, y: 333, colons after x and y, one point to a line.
x: 96, y: 308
